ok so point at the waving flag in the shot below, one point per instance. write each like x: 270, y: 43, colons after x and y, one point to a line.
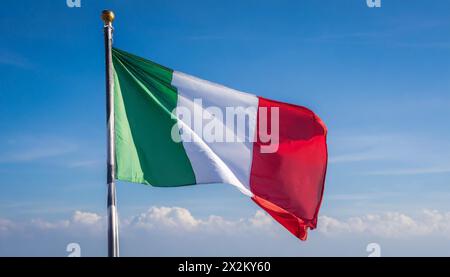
x: 173, y: 129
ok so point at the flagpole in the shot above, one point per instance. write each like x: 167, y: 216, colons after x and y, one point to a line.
x: 113, y: 230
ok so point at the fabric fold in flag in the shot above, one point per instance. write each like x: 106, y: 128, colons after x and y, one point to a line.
x: 173, y: 129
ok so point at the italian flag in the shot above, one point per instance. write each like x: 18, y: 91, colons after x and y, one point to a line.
x: 173, y: 129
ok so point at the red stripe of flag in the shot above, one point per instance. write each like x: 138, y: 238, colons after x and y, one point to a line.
x: 289, y: 183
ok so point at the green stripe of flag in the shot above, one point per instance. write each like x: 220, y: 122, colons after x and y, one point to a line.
x: 144, y: 100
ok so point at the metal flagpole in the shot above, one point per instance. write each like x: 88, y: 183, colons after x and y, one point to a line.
x: 113, y: 230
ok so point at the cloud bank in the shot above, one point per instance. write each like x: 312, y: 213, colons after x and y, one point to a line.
x: 169, y: 231
x: 389, y: 225
x: 176, y: 219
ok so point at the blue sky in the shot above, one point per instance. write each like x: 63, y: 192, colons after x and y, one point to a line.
x: 377, y: 77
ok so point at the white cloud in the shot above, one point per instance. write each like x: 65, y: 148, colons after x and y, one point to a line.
x: 175, y: 219
x: 388, y: 225
x: 46, y: 225
x: 6, y: 225
x: 261, y: 219
x: 169, y: 231
x: 155, y: 219
x: 86, y: 218
x: 86, y: 222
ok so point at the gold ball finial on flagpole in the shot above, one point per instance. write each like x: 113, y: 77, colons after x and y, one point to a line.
x: 107, y: 16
